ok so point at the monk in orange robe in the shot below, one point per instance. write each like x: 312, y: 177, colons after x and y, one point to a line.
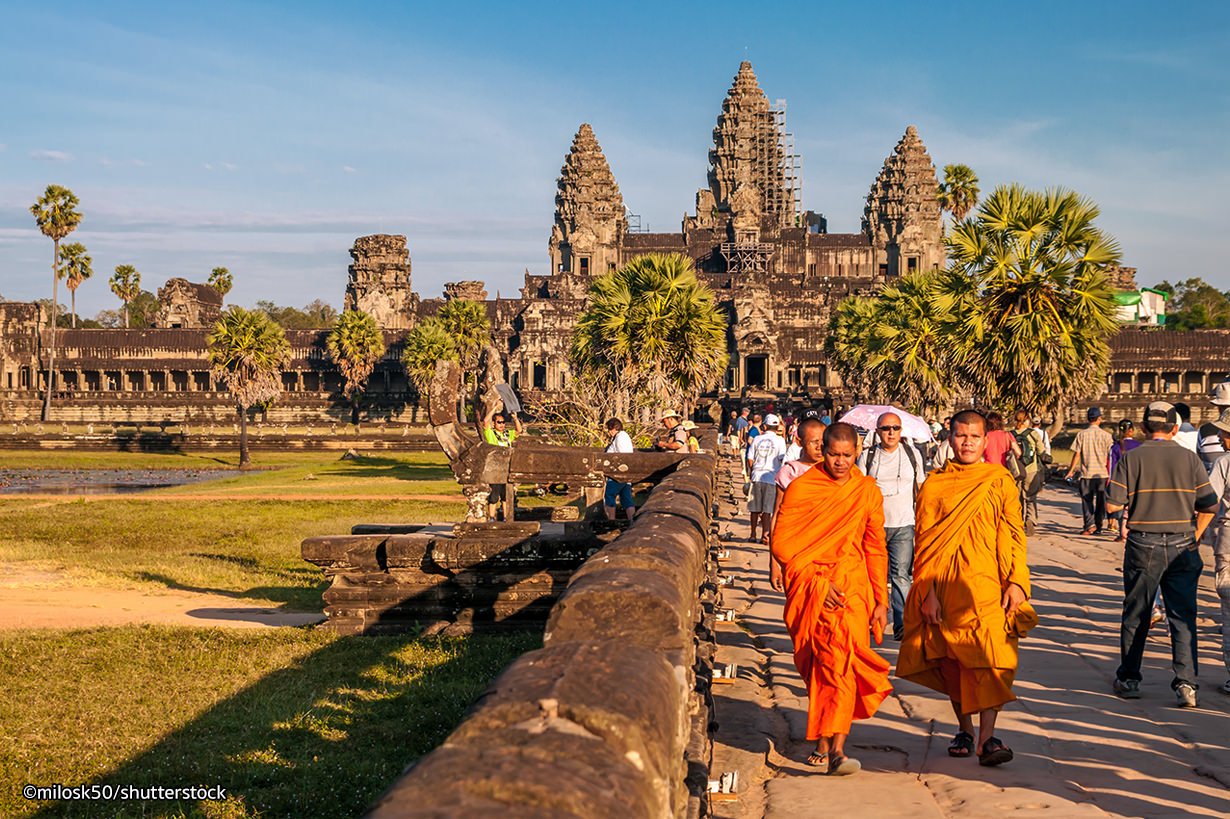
x: 828, y: 554
x: 968, y: 606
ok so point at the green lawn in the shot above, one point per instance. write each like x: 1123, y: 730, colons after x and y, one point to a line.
x: 293, y: 723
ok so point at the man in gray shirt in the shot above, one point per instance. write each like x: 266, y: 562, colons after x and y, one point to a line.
x: 1169, y: 503
x: 1091, y: 456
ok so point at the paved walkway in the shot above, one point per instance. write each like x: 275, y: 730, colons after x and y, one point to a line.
x: 1080, y: 751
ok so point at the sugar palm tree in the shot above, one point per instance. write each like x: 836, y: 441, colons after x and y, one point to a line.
x: 428, y: 342
x: 467, y: 322
x: 126, y: 283
x: 248, y: 351
x: 1028, y: 298
x: 220, y: 279
x: 908, y: 352
x: 958, y: 193
x: 848, y: 346
x: 355, y: 344
x: 56, y: 215
x: 74, y: 268
x: 652, y: 330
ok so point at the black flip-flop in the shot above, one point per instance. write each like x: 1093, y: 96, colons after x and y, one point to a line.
x: 962, y: 745
x: 994, y: 752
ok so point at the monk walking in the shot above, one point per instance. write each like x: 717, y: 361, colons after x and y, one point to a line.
x: 967, y: 607
x: 828, y: 554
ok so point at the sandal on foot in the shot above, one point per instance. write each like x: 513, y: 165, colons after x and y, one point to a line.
x: 841, y: 765
x: 962, y: 745
x: 994, y: 752
x: 817, y: 759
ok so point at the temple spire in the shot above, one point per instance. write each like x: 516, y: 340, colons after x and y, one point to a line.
x: 902, y: 216
x: 590, y: 219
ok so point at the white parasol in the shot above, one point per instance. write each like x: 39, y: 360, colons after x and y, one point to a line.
x: 866, y: 415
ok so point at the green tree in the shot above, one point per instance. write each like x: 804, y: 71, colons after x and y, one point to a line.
x: 651, y: 331
x: 75, y: 267
x: 143, y: 308
x: 220, y: 279
x: 248, y: 352
x: 126, y: 283
x: 314, y: 316
x: 355, y: 344
x: 428, y: 342
x: 467, y: 322
x: 1027, y: 299
x: 892, y: 347
x: 56, y: 215
x: 1194, y: 304
x: 958, y: 193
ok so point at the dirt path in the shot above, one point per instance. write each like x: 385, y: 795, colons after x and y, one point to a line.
x: 39, y: 599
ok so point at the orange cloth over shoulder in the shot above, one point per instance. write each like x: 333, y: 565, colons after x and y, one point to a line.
x: 828, y: 533
x: 969, y: 545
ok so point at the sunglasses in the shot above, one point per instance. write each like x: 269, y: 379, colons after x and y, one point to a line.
x: 889, y: 429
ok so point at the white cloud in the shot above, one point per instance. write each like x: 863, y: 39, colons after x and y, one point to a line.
x: 111, y: 163
x: 51, y: 156
x: 228, y: 166
x: 345, y: 168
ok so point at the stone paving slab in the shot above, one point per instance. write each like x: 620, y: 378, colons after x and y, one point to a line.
x: 1080, y: 750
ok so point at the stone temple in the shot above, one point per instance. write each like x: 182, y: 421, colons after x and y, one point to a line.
x: 775, y: 270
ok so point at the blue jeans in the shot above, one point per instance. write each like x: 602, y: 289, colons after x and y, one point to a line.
x: 1093, y: 502
x: 1171, y: 562
x: 900, y: 541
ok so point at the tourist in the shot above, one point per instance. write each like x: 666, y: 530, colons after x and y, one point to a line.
x: 1188, y: 436
x: 1125, y: 441
x: 967, y: 608
x: 497, y: 433
x: 1219, y: 482
x: 616, y: 491
x: 764, y: 459
x: 1000, y: 442
x: 794, y: 449
x: 741, y: 425
x: 1210, y: 444
x: 1091, y: 457
x: 728, y: 427
x: 828, y: 556
x: 898, y: 472
x: 1169, y: 503
x: 676, y: 437
x: 1033, y: 475
x: 689, y: 429
x: 1046, y: 443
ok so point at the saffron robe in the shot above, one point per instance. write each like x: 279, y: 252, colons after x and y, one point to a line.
x: 969, y: 545
x: 828, y: 533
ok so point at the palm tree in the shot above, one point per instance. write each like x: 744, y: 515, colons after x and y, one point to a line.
x: 427, y: 342
x: 74, y: 268
x: 247, y: 350
x: 1028, y: 300
x: 220, y: 279
x: 908, y: 352
x: 652, y: 331
x: 958, y: 193
x: 355, y: 344
x: 126, y: 283
x: 467, y: 322
x: 56, y: 214
x: 848, y: 346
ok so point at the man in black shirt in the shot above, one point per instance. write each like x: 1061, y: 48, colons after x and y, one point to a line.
x: 1169, y: 502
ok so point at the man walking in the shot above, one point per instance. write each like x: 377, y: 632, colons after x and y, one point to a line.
x: 1032, y: 474
x: 1091, y: 455
x: 764, y: 458
x: 1210, y: 444
x: 898, y: 472
x: 967, y: 608
x: 617, y: 491
x: 1169, y: 503
x: 1219, y: 479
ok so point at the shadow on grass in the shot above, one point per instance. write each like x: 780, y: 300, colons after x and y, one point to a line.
x: 376, y: 467
x: 321, y: 738
x: 304, y: 597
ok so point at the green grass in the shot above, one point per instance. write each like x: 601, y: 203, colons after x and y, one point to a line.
x: 291, y: 722
x: 216, y: 459
x: 248, y: 549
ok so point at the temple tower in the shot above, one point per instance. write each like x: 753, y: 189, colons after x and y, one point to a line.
x: 590, y: 220
x: 380, y: 281
x: 752, y: 167
x: 902, y: 217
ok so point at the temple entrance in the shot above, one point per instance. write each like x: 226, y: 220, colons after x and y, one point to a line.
x: 757, y: 365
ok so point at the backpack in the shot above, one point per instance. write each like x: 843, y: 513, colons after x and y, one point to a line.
x: 910, y: 456
x: 1029, y: 452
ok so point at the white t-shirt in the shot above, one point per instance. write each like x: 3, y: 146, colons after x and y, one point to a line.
x: 1188, y: 437
x: 766, y: 453
x: 622, y: 442
x: 894, y: 474
x: 793, y: 452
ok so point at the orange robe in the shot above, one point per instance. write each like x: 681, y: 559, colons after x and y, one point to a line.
x: 826, y: 533
x: 969, y: 545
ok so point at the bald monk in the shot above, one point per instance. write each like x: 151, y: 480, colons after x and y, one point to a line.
x: 827, y: 552
x: 967, y: 604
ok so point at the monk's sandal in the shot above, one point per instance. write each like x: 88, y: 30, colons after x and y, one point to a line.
x: 818, y: 759
x: 844, y: 765
x: 962, y: 744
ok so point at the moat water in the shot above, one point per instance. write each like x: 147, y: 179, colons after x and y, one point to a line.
x: 100, y: 481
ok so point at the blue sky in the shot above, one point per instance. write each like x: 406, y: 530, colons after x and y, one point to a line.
x: 267, y: 136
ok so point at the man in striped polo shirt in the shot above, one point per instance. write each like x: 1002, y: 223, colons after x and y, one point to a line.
x: 1169, y: 503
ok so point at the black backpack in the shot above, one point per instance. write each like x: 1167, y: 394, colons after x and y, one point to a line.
x: 1029, y: 453
x: 910, y: 455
